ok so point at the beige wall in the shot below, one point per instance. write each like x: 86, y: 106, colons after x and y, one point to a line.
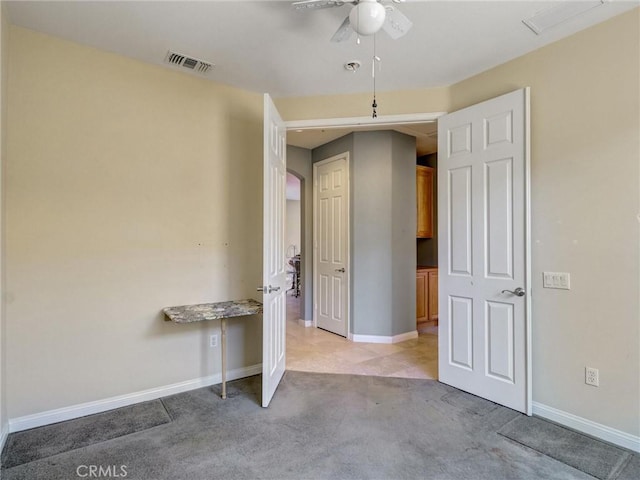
x: 130, y: 188
x: 585, y: 171
x: 4, y: 63
x: 430, y: 100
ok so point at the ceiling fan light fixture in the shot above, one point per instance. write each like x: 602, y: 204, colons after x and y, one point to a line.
x: 367, y: 17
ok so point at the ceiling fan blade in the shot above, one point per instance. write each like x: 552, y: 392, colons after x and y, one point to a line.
x: 344, y: 32
x: 317, y: 4
x: 396, y: 24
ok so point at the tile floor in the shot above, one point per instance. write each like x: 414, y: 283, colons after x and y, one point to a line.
x: 315, y: 350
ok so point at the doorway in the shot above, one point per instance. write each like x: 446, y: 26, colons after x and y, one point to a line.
x: 296, y: 254
x: 415, y: 358
x: 483, y: 349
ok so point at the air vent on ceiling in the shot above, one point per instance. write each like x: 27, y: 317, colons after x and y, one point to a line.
x: 558, y: 14
x: 193, y: 64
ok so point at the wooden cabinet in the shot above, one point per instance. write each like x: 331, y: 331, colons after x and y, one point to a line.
x: 426, y: 296
x: 432, y: 287
x: 422, y: 296
x: 424, y: 196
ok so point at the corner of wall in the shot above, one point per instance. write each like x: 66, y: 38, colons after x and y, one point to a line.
x: 403, y: 243
x: 4, y: 42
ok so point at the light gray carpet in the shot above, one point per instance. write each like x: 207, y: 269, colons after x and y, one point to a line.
x: 35, y: 444
x: 587, y: 454
x: 319, y: 426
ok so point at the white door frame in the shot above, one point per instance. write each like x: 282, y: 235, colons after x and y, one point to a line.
x: 381, y: 121
x: 409, y: 118
x: 346, y: 122
x: 314, y: 239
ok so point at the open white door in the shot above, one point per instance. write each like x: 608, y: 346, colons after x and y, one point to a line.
x: 484, y: 252
x: 273, y: 270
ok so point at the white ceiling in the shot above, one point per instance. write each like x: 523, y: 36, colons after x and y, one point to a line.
x: 268, y: 46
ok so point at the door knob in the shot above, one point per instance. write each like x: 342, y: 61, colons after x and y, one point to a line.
x: 519, y: 292
x: 341, y: 270
x: 268, y: 289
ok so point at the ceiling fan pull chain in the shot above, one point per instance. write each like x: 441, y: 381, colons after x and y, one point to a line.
x: 375, y: 59
x: 374, y: 105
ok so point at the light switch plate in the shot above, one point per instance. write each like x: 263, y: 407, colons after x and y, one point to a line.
x: 560, y: 280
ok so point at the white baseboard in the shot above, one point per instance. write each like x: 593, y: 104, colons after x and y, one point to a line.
x: 305, y: 323
x: 589, y: 427
x: 76, y: 411
x: 384, y: 339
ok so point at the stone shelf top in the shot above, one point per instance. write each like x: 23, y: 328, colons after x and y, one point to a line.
x: 212, y: 311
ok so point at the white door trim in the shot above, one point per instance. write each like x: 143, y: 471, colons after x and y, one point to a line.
x: 343, y: 122
x: 314, y: 240
x: 527, y: 249
x: 381, y: 121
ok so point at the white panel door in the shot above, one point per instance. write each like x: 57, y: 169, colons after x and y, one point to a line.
x: 483, y: 225
x: 331, y: 244
x: 274, y: 268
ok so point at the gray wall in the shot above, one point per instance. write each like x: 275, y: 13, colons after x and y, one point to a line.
x: 403, y: 232
x: 299, y: 163
x: 372, y: 259
x: 383, y: 216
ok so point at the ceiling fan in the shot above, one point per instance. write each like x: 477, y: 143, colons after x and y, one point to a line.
x: 365, y: 18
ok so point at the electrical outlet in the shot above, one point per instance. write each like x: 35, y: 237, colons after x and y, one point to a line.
x: 592, y: 376
x: 213, y: 341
